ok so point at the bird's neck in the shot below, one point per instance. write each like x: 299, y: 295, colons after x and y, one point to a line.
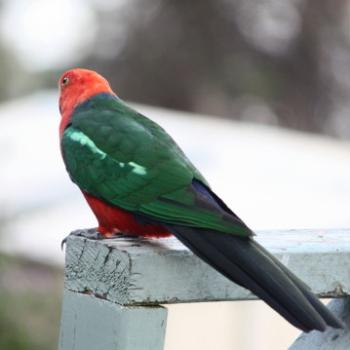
x: 68, y: 102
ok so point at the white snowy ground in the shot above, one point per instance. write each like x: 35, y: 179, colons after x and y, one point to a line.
x: 273, y: 178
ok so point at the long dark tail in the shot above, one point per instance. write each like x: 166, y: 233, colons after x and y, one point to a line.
x: 248, y: 264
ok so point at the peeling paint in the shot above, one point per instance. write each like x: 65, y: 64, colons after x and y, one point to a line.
x: 164, y: 271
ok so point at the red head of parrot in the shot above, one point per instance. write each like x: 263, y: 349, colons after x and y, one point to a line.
x: 76, y: 86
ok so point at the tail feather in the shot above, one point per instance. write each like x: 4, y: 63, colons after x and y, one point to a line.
x: 245, y: 262
x: 326, y: 314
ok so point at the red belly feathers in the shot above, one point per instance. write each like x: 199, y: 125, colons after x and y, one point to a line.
x: 113, y: 220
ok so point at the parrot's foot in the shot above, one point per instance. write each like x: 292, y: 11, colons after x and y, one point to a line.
x: 89, y: 233
x: 93, y: 233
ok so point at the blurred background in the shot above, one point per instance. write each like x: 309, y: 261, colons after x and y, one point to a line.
x: 256, y: 92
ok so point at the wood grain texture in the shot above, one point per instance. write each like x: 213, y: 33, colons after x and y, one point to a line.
x: 149, y: 272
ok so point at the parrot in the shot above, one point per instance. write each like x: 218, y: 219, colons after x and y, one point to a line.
x: 138, y: 182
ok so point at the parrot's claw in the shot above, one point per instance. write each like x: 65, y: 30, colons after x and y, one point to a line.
x: 90, y: 233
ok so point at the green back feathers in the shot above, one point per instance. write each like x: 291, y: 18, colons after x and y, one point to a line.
x: 114, y: 153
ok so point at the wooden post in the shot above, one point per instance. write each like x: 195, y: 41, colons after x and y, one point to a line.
x: 331, y: 339
x: 114, y: 288
x: 90, y: 323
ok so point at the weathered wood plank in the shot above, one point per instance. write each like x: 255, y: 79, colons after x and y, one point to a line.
x: 90, y: 323
x: 331, y: 339
x: 133, y: 272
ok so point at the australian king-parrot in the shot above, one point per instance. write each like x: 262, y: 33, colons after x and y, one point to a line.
x: 138, y: 181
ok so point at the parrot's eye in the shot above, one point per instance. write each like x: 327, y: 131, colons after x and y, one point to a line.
x: 65, y: 81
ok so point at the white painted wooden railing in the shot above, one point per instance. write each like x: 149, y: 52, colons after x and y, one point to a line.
x: 114, y: 288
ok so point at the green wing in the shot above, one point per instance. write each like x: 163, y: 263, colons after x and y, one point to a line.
x: 120, y: 156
